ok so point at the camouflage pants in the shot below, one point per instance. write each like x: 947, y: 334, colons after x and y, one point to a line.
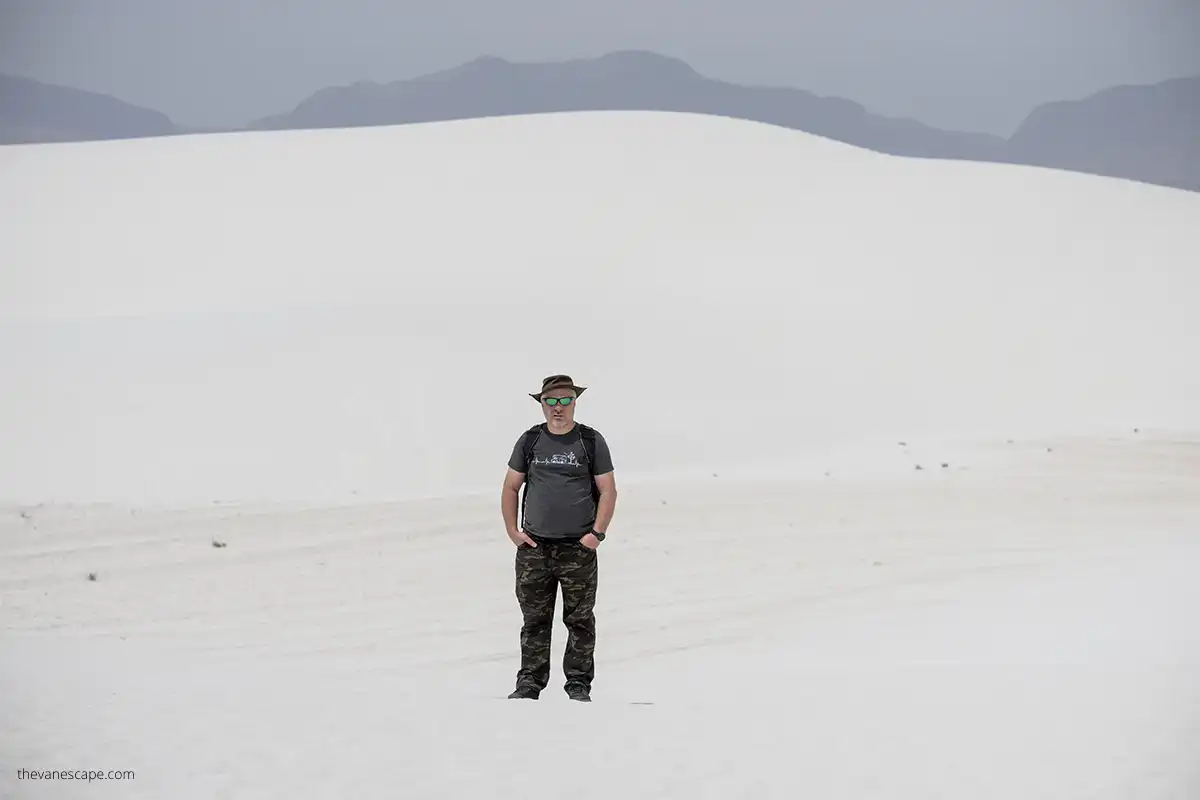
x: 540, y: 571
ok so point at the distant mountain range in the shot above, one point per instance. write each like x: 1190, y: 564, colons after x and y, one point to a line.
x: 618, y: 81
x: 1147, y: 133
x: 31, y: 111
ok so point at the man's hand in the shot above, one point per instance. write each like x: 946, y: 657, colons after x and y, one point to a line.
x: 519, y: 538
x: 590, y: 542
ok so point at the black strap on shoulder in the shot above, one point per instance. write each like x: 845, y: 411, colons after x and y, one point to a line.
x: 531, y: 437
x: 588, y: 436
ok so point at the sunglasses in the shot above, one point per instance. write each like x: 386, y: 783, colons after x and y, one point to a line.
x: 557, y: 401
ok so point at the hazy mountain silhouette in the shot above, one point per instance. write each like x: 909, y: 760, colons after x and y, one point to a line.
x: 1149, y: 133
x: 626, y: 80
x: 31, y: 111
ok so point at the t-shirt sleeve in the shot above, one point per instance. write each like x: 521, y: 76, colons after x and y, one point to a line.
x: 604, y: 462
x: 516, y: 461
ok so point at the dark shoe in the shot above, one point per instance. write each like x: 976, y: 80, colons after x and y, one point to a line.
x: 524, y: 693
x: 579, y: 693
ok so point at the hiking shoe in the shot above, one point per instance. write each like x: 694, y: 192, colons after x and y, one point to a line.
x: 579, y: 693
x: 524, y: 693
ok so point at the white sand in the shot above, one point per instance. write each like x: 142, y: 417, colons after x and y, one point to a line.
x: 314, y: 347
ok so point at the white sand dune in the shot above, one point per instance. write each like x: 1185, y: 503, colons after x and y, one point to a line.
x: 314, y: 348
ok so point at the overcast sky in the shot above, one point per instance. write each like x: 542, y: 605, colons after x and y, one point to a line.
x: 965, y: 64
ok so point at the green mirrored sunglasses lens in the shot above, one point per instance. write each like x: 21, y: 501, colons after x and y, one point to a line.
x: 558, y: 401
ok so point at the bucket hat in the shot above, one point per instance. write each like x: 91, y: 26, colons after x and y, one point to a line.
x: 557, y: 382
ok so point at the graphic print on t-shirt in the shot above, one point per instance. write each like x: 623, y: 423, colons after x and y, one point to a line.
x: 565, y: 459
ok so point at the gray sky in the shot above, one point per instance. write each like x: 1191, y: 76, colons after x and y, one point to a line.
x: 964, y: 64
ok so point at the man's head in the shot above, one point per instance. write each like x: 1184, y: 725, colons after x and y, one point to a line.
x: 557, y: 399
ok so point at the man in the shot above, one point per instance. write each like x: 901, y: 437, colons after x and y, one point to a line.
x: 570, y: 498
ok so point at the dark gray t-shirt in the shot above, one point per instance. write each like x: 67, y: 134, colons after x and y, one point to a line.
x: 559, y: 502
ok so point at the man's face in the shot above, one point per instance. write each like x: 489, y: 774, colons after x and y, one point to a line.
x: 556, y: 411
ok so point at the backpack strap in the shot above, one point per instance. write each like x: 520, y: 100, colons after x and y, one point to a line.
x: 588, y: 436
x: 531, y: 437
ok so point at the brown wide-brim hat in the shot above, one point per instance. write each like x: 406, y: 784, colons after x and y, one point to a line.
x: 557, y: 382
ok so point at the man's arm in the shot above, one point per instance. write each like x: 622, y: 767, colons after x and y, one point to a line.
x: 510, y: 495
x: 607, y: 505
